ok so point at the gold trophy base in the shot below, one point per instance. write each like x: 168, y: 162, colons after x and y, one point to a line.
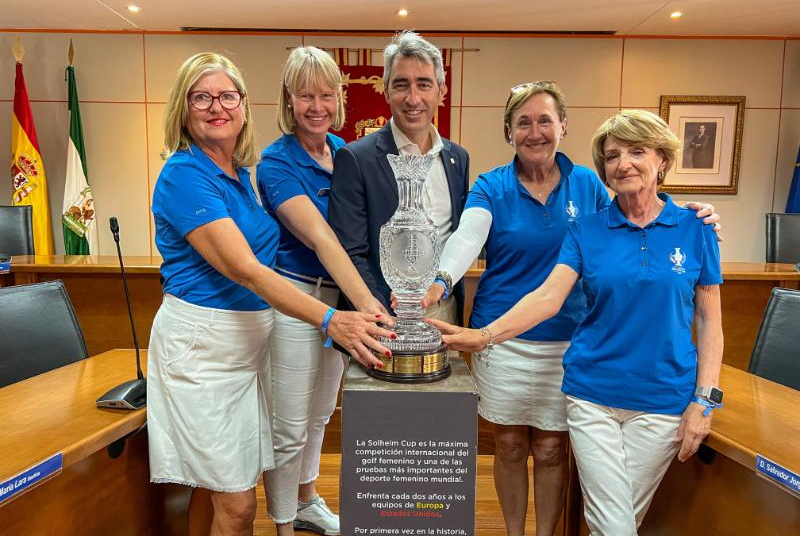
x: 411, y: 367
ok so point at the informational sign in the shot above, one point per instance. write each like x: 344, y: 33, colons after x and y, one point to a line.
x: 779, y: 474
x: 27, y: 478
x: 409, y: 456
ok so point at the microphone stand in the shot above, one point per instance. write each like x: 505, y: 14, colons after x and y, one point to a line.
x: 133, y: 393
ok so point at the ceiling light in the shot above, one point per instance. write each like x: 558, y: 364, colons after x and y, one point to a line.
x: 134, y: 9
x: 675, y: 15
x: 402, y: 13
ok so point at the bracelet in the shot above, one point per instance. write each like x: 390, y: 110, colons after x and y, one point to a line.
x: 486, y: 331
x: 326, y: 321
x: 447, y: 282
x: 710, y: 406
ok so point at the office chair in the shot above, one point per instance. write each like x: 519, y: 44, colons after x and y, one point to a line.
x: 776, y: 355
x: 38, y: 331
x: 16, y: 230
x: 783, y: 237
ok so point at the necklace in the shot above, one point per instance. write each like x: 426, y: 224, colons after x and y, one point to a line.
x: 546, y: 187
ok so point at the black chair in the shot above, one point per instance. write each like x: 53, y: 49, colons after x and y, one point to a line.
x: 38, y: 331
x: 776, y: 355
x: 16, y: 230
x: 783, y: 237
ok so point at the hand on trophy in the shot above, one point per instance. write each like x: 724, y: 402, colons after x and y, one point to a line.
x: 433, y: 295
x: 357, y: 333
x: 461, y: 339
x: 370, y: 304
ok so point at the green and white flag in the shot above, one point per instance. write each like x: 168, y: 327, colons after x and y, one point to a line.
x: 80, y: 231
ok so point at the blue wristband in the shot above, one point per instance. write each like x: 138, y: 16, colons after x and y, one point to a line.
x: 444, y: 285
x: 326, y: 321
x: 710, y: 406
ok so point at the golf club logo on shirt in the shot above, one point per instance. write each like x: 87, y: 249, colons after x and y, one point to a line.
x: 677, y: 258
x: 572, y: 210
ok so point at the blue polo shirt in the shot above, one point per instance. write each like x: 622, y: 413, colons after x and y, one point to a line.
x: 286, y: 170
x: 634, y: 349
x: 524, y: 241
x: 192, y: 191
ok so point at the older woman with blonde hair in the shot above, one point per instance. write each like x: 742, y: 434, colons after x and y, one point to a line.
x: 638, y: 390
x: 208, y: 363
x: 294, y: 180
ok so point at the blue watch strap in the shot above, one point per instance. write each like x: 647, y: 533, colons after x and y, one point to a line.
x: 444, y: 286
x: 710, y: 406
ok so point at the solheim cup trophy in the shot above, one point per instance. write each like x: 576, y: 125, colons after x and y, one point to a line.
x: 409, y: 253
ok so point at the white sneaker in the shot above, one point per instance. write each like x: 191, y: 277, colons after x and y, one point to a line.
x: 317, y: 517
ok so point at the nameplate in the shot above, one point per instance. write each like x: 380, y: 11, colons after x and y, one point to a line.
x: 779, y: 474
x: 30, y: 477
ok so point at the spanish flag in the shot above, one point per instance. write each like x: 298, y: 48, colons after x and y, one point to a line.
x: 27, y: 171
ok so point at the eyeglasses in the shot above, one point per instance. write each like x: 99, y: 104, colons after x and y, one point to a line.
x: 202, y: 101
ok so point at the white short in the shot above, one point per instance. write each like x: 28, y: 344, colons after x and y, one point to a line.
x: 519, y: 383
x: 208, y: 420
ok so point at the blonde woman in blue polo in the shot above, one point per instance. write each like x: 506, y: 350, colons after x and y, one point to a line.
x: 294, y: 180
x: 638, y: 390
x: 208, y: 363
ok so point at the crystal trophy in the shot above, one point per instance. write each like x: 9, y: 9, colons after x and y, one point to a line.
x: 409, y: 256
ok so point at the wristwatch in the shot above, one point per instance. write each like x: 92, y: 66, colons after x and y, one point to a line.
x: 447, y: 282
x: 712, y: 394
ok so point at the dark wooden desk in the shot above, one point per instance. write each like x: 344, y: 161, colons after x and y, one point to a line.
x: 95, y: 288
x: 745, y: 292
x: 94, y: 494
x: 727, y: 496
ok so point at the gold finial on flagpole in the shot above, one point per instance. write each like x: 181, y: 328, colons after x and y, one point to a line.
x: 71, y: 53
x: 18, y: 50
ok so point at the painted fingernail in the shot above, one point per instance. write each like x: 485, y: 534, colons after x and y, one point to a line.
x: 379, y: 365
x: 393, y: 336
x: 377, y: 316
x: 388, y: 354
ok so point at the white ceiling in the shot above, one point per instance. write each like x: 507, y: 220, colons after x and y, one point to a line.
x: 625, y: 17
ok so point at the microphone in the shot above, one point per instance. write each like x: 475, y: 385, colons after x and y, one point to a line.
x: 131, y: 394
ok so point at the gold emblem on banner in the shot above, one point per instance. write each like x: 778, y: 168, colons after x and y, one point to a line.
x: 368, y: 126
x: 375, y: 81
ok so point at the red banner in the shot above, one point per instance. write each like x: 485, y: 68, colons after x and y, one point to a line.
x: 367, y: 109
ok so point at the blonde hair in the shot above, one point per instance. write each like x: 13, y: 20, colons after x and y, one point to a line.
x: 521, y: 93
x: 176, y: 135
x: 636, y: 127
x: 308, y: 66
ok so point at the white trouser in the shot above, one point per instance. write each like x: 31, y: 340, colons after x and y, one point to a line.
x: 622, y: 456
x: 305, y: 383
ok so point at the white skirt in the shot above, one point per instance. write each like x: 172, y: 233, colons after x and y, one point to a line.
x: 519, y: 383
x: 208, y: 420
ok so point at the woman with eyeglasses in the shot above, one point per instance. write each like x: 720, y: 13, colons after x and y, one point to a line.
x: 208, y: 363
x: 294, y: 180
x: 520, y: 212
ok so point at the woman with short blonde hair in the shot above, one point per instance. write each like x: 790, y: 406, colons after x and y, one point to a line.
x: 294, y: 180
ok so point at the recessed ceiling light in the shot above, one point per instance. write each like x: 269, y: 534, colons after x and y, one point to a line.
x: 675, y: 15
x: 134, y: 9
x: 402, y: 13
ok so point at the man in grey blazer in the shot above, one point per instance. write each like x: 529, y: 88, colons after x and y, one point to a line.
x: 364, y: 190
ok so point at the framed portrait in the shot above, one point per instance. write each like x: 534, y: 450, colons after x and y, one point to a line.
x: 710, y: 129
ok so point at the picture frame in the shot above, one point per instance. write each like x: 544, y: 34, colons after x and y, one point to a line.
x: 710, y: 129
